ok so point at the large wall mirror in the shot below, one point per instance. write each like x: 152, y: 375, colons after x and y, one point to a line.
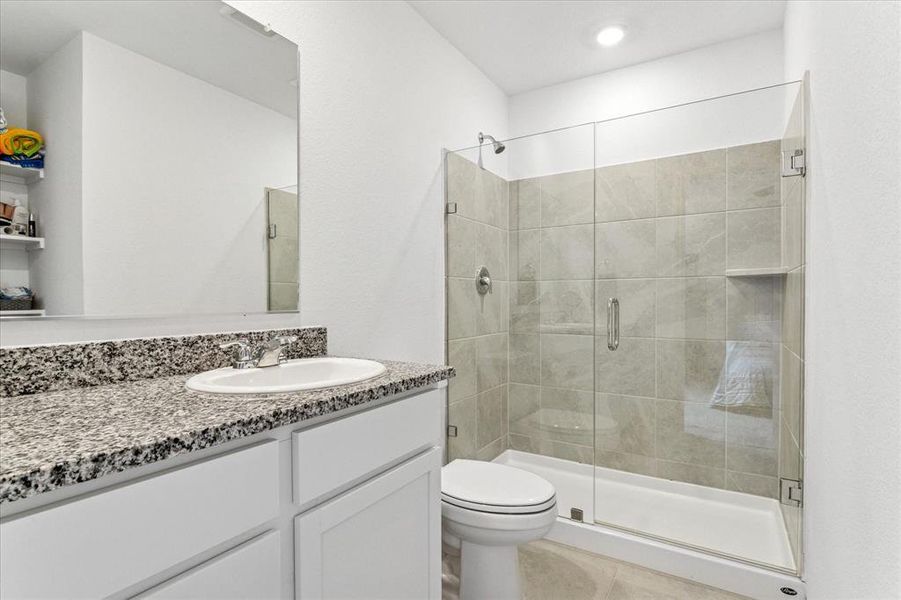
x: 155, y: 145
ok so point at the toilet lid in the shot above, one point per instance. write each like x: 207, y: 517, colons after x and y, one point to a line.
x: 495, y: 488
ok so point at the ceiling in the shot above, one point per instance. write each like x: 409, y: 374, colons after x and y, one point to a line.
x: 190, y: 36
x: 524, y: 45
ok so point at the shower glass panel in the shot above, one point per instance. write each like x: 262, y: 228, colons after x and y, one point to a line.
x: 524, y: 351
x: 639, y: 344
x: 697, y: 405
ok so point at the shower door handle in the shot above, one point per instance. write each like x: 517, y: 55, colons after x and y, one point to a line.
x: 612, y: 324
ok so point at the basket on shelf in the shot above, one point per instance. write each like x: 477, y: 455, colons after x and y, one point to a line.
x: 16, y: 303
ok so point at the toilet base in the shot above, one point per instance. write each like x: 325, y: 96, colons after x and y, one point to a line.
x: 489, y: 572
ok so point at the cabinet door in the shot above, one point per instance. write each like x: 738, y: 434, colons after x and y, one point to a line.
x: 252, y: 570
x: 381, y: 539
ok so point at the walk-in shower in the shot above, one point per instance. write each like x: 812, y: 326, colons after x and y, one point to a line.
x: 641, y: 343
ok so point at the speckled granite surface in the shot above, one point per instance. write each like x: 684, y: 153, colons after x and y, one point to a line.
x: 55, y: 439
x: 35, y: 369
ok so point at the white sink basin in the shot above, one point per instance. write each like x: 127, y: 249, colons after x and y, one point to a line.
x: 290, y: 376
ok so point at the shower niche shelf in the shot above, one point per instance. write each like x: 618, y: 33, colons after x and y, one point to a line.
x: 761, y: 272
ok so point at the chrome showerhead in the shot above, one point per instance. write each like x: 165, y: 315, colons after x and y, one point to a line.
x: 498, y: 146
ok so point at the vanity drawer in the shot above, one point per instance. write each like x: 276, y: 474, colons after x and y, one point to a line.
x: 104, y: 542
x: 252, y: 570
x: 335, y: 454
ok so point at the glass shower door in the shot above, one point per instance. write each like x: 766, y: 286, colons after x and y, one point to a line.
x: 693, y: 222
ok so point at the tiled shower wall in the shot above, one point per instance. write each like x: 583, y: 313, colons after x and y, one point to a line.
x: 692, y: 392
x: 792, y: 347
x: 477, y: 324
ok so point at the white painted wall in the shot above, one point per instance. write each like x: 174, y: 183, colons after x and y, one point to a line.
x: 13, y: 94
x: 174, y: 178
x: 54, y: 109
x: 725, y: 68
x: 381, y: 94
x: 852, y: 491
x: 14, y: 98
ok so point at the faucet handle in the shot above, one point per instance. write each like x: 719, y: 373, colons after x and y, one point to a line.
x: 280, y: 341
x: 242, y: 355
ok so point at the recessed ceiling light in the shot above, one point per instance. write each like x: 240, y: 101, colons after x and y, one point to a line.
x: 611, y: 36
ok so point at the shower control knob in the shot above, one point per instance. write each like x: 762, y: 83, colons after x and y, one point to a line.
x: 483, y: 281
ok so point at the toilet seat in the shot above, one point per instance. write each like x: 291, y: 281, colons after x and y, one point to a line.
x: 493, y: 488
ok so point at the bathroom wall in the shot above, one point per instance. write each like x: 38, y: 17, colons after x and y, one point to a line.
x: 381, y: 93
x: 55, y: 110
x: 660, y: 237
x: 13, y: 263
x: 852, y: 379
x: 723, y: 68
x: 477, y: 324
x: 236, y: 148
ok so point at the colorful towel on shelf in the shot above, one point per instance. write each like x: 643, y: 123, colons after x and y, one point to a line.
x: 20, y: 142
x: 3, y: 124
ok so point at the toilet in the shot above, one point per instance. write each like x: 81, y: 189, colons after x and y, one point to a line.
x: 488, y: 510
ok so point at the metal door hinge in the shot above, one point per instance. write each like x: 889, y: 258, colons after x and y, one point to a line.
x: 576, y: 514
x: 793, y: 163
x: 451, y: 431
x: 451, y: 208
x: 273, y: 231
x: 790, y: 492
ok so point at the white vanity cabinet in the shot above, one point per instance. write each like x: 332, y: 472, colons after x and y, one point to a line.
x: 349, y: 508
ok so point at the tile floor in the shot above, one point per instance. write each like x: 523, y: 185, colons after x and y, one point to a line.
x: 554, y: 572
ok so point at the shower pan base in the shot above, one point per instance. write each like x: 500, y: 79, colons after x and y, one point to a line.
x: 639, y: 514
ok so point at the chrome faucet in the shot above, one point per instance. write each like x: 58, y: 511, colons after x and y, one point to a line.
x: 268, y: 354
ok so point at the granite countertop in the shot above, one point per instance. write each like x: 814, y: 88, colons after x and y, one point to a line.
x: 54, y: 439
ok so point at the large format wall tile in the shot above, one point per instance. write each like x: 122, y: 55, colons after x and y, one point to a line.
x: 567, y: 198
x: 692, y: 245
x: 566, y: 361
x: 793, y: 312
x: 755, y: 308
x: 758, y: 485
x: 524, y: 358
x: 462, y: 355
x: 755, y: 238
x: 462, y: 415
x: 689, y: 370
x: 625, y: 424
x: 637, y: 306
x: 692, y: 473
x: 629, y: 370
x: 691, y: 308
x: 753, y: 175
x: 625, y: 191
x: 625, y: 249
x: 524, y: 254
x: 691, y: 183
x: 567, y: 252
x: 524, y: 402
x: 753, y: 440
x: 792, y: 222
x: 491, y: 415
x: 791, y: 392
x: 690, y: 432
x: 524, y: 307
x: 491, y: 361
x: 566, y: 307
x: 525, y: 197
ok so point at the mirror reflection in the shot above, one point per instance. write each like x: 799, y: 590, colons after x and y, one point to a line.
x: 149, y: 160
